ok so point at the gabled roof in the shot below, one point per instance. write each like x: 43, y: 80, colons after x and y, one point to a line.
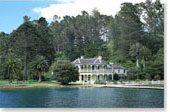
x: 89, y: 61
x: 118, y: 67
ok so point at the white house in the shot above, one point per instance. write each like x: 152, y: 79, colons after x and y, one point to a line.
x: 120, y: 71
x: 93, y: 69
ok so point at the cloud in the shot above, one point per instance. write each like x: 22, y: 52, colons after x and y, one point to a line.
x: 74, y: 7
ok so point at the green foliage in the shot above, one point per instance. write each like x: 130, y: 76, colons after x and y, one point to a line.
x: 35, y: 45
x: 133, y: 73
x: 129, y: 30
x: 65, y: 72
x: 157, y: 77
x: 116, y: 77
x: 156, y: 67
x: 11, y: 66
x: 39, y: 65
x: 47, y: 76
x: 100, y: 82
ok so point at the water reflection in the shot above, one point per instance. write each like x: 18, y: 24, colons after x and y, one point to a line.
x: 81, y: 98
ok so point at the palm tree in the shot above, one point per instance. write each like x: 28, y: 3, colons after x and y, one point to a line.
x: 40, y: 65
x: 26, y: 18
x: 12, y: 63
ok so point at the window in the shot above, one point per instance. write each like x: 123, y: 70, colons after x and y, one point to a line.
x: 98, y: 77
x: 82, y: 78
x: 93, y: 67
x: 124, y: 70
x: 81, y: 67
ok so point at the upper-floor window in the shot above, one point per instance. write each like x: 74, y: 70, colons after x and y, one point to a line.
x: 81, y: 67
x: 124, y: 70
x: 98, y: 67
x: 118, y: 71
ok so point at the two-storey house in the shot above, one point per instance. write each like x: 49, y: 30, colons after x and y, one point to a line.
x: 93, y: 69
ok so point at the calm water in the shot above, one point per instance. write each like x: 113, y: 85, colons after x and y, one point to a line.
x: 81, y: 98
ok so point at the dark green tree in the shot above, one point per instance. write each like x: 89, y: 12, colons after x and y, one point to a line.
x: 23, y: 43
x: 39, y: 65
x: 65, y: 72
x: 43, y: 42
x: 135, y: 51
x: 12, y: 65
x: 116, y: 77
x: 128, y: 30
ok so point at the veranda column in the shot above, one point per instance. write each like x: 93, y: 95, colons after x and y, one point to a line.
x: 112, y: 77
x: 103, y: 77
x: 79, y: 78
x: 107, y: 76
x: 88, y: 78
x: 99, y: 77
x: 91, y: 80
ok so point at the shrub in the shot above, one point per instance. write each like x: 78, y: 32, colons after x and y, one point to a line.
x: 47, y: 76
x: 157, y: 77
x: 116, y: 77
x: 148, y: 76
x: 65, y: 73
x: 100, y: 82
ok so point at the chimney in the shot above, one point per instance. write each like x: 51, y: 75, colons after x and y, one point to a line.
x: 82, y: 57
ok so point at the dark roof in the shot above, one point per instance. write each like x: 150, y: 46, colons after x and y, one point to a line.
x: 86, y: 61
x: 118, y: 67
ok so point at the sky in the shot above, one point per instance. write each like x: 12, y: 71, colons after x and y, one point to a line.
x: 12, y: 11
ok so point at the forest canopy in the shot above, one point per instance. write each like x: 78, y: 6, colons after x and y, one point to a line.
x: 133, y: 38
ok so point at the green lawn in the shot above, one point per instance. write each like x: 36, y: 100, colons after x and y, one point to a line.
x: 3, y: 82
x: 28, y: 83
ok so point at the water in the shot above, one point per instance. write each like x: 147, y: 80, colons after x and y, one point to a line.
x: 81, y: 98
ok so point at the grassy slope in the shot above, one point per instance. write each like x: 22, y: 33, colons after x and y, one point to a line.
x: 26, y: 84
x: 5, y: 83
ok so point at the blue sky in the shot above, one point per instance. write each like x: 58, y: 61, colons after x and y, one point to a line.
x: 12, y: 12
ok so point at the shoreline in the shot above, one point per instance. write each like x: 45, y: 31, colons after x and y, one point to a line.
x: 24, y: 86
x: 131, y: 87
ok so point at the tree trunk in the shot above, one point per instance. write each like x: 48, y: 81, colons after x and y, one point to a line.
x: 32, y: 77
x: 137, y: 62
x: 16, y: 75
x: 39, y: 77
x: 58, y: 48
x: 144, y: 65
x: 25, y: 61
x: 25, y: 68
x: 10, y: 81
